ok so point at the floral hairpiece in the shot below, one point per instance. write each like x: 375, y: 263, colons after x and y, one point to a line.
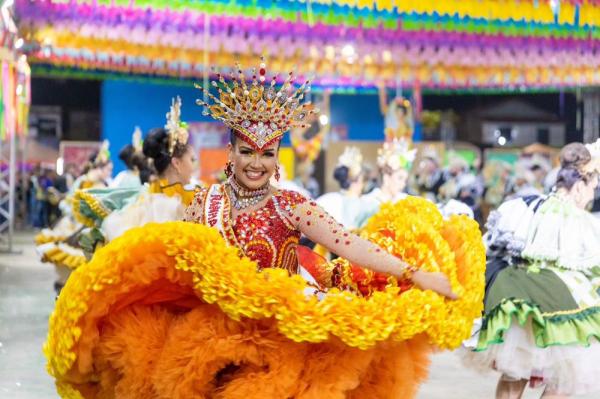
x: 396, y: 155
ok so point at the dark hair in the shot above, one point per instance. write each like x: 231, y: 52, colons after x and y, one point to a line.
x: 93, y: 163
x: 156, y: 147
x: 342, y: 175
x: 136, y: 161
x: 126, y: 155
x: 535, y: 168
x: 141, y: 163
x: 573, y: 157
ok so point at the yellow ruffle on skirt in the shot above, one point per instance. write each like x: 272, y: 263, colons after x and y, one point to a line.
x: 169, y: 311
x: 62, y: 255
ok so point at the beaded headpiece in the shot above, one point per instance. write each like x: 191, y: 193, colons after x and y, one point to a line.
x: 136, y: 139
x: 178, y: 132
x: 352, y: 159
x: 257, y: 112
x: 396, y: 155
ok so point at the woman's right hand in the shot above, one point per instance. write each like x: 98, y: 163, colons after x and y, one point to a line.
x: 437, y: 282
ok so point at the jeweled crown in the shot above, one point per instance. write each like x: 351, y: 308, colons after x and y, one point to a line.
x: 256, y: 111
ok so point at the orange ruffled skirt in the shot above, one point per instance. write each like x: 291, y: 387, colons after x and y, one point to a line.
x: 169, y: 311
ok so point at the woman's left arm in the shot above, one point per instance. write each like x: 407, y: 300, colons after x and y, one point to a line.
x: 321, y: 228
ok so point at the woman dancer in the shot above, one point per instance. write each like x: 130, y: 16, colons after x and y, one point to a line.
x: 394, y: 161
x: 110, y: 212
x: 215, y: 309
x: 59, y: 244
x: 345, y: 205
x: 137, y: 170
x: 542, y: 307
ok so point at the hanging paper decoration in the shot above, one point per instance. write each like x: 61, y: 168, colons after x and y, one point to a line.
x: 15, y: 91
x: 15, y: 94
x: 343, y: 43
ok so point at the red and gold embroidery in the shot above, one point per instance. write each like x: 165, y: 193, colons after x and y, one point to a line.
x: 267, y: 235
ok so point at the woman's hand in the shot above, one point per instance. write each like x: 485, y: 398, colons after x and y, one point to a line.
x: 437, y: 282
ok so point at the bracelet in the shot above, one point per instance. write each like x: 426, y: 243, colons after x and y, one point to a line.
x: 408, y: 272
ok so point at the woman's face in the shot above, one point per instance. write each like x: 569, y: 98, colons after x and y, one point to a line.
x: 253, y: 168
x: 185, y: 165
x: 583, y: 192
x: 396, y: 181
x: 105, y: 172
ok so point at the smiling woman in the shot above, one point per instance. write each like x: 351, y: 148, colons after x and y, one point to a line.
x: 251, y: 167
x: 223, y: 308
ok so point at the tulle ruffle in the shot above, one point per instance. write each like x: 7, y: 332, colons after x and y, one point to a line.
x: 565, y: 369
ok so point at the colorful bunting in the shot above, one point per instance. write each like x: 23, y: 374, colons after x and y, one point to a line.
x: 440, y: 44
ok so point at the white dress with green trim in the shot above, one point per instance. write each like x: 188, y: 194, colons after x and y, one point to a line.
x: 542, y: 306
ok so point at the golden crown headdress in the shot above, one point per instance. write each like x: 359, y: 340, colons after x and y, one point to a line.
x: 178, y: 132
x: 351, y: 158
x: 256, y: 111
x: 396, y: 154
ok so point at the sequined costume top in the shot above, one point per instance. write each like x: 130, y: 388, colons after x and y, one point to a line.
x: 267, y: 235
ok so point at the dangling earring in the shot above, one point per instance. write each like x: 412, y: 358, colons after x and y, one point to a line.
x: 277, y: 175
x: 229, y: 169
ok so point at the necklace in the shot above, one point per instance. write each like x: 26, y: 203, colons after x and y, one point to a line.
x: 244, y: 198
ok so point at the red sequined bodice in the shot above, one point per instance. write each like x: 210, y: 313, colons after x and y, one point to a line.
x: 266, y: 235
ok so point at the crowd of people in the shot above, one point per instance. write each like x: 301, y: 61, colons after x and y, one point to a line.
x: 481, y: 189
x: 38, y: 194
x: 255, y: 286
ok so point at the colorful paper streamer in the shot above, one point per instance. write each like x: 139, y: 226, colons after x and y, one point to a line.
x: 342, y: 43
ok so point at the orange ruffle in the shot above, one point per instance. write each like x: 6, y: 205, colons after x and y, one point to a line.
x: 169, y: 311
x: 151, y: 352
x: 151, y: 337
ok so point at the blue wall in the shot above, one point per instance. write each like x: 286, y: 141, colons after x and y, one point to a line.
x: 360, y: 113
x: 126, y: 104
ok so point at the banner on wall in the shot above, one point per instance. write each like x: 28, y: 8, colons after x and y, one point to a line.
x: 77, y: 153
